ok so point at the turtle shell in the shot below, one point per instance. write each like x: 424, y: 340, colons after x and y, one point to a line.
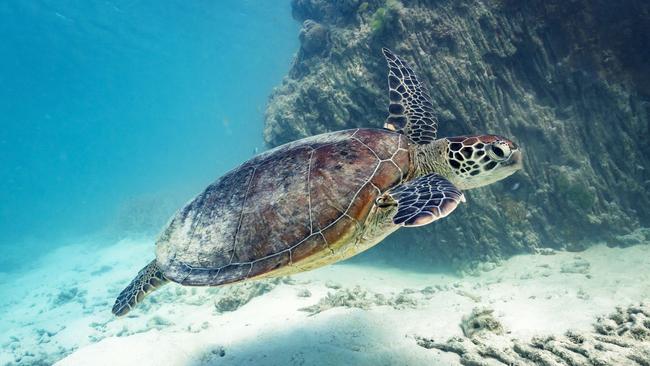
x: 282, y: 207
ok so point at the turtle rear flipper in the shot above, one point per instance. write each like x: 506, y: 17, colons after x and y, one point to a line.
x: 424, y: 200
x: 148, y: 279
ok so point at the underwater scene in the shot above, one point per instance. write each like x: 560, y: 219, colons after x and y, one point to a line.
x: 325, y: 182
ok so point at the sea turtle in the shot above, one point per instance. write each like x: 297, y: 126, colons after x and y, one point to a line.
x: 324, y: 198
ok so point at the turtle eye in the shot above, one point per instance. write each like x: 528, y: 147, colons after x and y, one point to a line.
x: 499, y: 152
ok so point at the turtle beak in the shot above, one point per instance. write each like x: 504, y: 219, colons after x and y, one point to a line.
x: 517, y: 160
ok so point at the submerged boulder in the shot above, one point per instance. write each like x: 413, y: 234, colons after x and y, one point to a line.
x: 565, y: 80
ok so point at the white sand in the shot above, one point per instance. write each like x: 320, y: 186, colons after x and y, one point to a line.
x: 531, y: 294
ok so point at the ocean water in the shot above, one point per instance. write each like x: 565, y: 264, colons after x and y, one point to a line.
x: 116, y: 113
x: 106, y: 103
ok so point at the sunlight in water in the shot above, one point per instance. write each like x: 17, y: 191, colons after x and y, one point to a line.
x: 314, y: 182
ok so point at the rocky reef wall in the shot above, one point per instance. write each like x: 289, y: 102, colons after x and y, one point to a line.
x: 566, y: 80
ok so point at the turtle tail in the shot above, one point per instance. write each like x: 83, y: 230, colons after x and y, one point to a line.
x: 148, y: 279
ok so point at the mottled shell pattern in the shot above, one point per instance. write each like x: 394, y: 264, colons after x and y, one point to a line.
x: 288, y: 207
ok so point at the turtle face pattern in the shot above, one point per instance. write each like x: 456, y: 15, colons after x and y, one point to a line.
x: 480, y: 160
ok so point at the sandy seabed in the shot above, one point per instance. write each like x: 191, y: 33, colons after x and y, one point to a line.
x: 59, y: 311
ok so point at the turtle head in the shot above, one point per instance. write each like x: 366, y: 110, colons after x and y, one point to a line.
x: 476, y: 161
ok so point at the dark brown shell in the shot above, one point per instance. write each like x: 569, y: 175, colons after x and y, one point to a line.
x: 281, y: 207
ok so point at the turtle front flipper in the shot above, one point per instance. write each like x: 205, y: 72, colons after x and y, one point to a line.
x: 423, y: 200
x: 148, y: 279
x: 410, y: 110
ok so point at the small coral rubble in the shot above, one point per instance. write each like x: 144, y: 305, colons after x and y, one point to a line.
x: 622, y: 338
x: 234, y: 297
x: 480, y: 320
x: 358, y: 297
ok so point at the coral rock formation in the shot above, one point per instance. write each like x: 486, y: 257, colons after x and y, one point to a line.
x: 623, y: 338
x: 565, y: 79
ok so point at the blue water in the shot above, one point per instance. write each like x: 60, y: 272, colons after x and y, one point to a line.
x: 105, y: 102
x: 115, y: 113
